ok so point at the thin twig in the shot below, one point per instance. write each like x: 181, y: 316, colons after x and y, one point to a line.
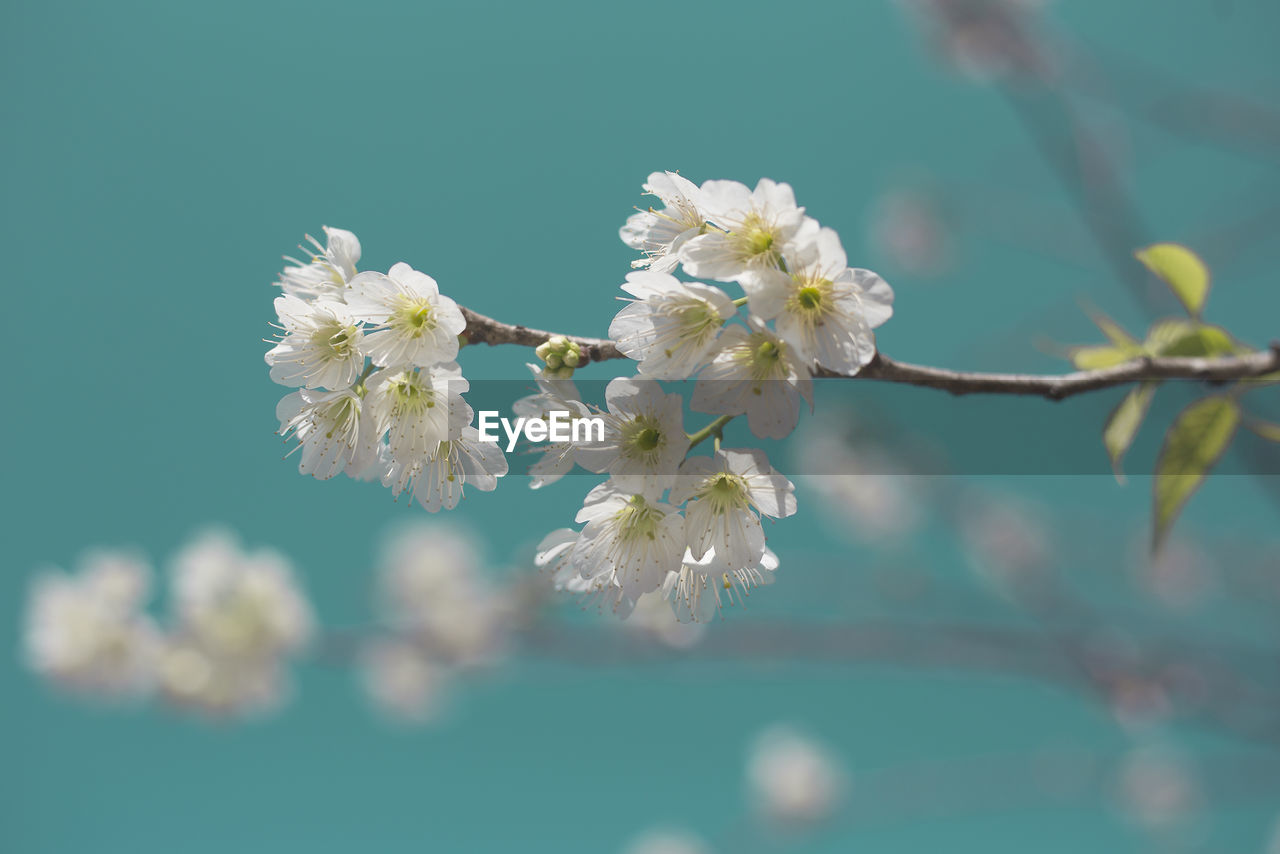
x: 485, y: 330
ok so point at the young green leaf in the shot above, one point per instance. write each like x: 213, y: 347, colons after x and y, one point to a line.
x: 1182, y: 270
x: 1123, y: 423
x: 1177, y: 337
x: 1093, y: 357
x: 1193, y: 445
x: 1115, y: 333
x: 1265, y: 429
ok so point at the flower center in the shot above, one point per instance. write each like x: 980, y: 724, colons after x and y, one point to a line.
x: 643, y: 439
x: 414, y: 316
x: 637, y: 519
x: 337, y: 340
x: 756, y: 240
x: 725, y: 491
x: 412, y: 397
x: 809, y: 297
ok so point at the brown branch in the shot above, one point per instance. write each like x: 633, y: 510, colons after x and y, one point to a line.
x: 485, y: 330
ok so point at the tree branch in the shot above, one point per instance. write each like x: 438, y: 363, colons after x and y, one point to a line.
x: 485, y: 330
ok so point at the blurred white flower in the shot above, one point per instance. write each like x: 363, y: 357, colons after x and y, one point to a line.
x: 210, y: 681
x: 652, y: 617
x: 866, y: 488
x: 238, y: 615
x: 660, y: 234
x: 403, y: 683
x: 757, y: 373
x: 320, y: 347
x: 432, y: 589
x: 413, y: 324
x: 792, y: 779
x: 1156, y: 788
x: 1179, y: 577
x: 671, y: 326
x: 87, y: 631
x: 667, y: 841
x: 1007, y: 541
x: 328, y: 268
x: 243, y: 604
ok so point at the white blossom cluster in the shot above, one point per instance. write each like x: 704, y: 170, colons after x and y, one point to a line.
x: 440, y: 615
x: 379, y: 391
x: 236, y: 619
x: 689, y: 527
x: 380, y: 395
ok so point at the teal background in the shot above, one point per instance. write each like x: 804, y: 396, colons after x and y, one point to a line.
x: 158, y: 158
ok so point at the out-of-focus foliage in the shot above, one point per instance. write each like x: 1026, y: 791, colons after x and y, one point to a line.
x: 1203, y: 431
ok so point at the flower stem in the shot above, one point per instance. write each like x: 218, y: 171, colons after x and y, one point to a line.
x: 715, y: 428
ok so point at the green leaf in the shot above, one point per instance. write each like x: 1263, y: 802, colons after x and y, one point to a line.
x: 1193, y: 445
x: 1093, y: 357
x: 1187, y: 338
x: 1115, y: 333
x: 1123, y: 423
x: 1182, y: 270
x: 1265, y: 429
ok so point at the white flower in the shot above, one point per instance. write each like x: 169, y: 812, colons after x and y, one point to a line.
x: 207, y: 680
x: 320, y: 347
x: 759, y: 233
x: 671, y: 326
x: 438, y: 481
x: 695, y: 590
x: 403, y: 683
x: 413, y: 323
x: 1158, y: 789
x: 653, y: 619
x: 330, y: 429
x: 660, y: 234
x: 554, y: 395
x: 830, y: 309
x: 726, y: 492
x: 243, y: 605
x: 757, y: 373
x: 556, y: 552
x: 667, y: 842
x: 638, y: 539
x: 328, y: 269
x: 644, y: 438
x: 239, y: 615
x: 88, y: 631
x: 431, y: 588
x: 416, y: 410
x: 793, y: 779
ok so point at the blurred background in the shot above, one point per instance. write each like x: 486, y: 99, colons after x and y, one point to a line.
x: 983, y: 661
